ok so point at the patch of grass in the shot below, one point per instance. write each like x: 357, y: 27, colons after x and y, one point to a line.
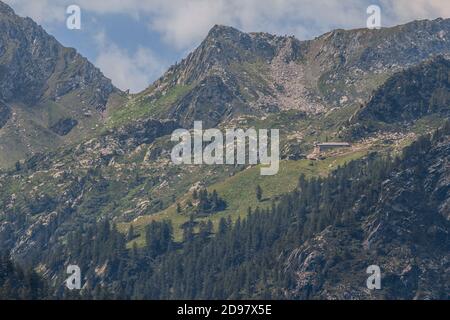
x: 428, y: 124
x: 239, y: 192
x: 140, y: 107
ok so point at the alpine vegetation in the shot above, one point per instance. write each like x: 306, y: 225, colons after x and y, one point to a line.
x: 237, y: 144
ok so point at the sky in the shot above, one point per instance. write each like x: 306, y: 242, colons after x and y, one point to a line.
x: 134, y: 41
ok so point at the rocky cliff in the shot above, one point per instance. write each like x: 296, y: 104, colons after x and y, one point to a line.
x: 405, y: 231
x: 43, y: 83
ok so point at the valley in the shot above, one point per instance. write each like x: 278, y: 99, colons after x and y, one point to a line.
x: 86, y: 175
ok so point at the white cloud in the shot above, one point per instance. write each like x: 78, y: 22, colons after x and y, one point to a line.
x: 40, y: 10
x: 401, y: 11
x: 183, y: 23
x: 128, y: 71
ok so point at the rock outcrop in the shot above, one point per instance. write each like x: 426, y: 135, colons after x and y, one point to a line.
x: 44, y: 83
x: 406, y: 233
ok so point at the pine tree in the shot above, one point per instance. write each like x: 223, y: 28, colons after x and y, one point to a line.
x: 259, y: 193
x: 130, y: 235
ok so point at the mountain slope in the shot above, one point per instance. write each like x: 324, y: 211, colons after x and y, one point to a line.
x: 233, y: 74
x: 50, y: 95
x: 405, y: 98
x: 317, y: 242
x: 119, y: 174
x: 314, y: 243
x: 404, y: 230
x: 223, y: 78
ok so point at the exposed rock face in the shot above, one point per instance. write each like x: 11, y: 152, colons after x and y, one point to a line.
x: 406, y: 97
x: 234, y: 73
x: 353, y: 63
x: 230, y: 74
x: 40, y: 79
x: 289, y: 84
x: 222, y: 47
x: 407, y: 234
x: 212, y: 101
x: 34, y: 65
x: 74, y: 168
x: 143, y: 132
x: 268, y: 73
x: 63, y: 126
x: 124, y: 173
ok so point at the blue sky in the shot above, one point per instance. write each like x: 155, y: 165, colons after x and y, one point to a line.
x: 133, y: 42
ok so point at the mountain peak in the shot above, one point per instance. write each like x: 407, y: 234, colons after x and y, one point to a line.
x: 219, y: 30
x: 5, y: 9
x: 221, y: 33
x: 40, y: 77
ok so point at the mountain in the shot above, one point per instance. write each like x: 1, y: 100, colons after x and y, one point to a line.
x: 404, y: 230
x: 97, y: 186
x: 233, y: 74
x: 316, y: 242
x: 417, y: 93
x: 49, y: 95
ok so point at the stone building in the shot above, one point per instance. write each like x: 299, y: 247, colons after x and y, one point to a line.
x: 321, y: 147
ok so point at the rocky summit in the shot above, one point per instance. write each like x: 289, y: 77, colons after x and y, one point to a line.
x: 87, y: 178
x: 50, y: 95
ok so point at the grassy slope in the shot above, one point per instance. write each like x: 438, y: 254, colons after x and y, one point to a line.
x: 239, y: 191
x: 28, y: 130
x: 139, y: 107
